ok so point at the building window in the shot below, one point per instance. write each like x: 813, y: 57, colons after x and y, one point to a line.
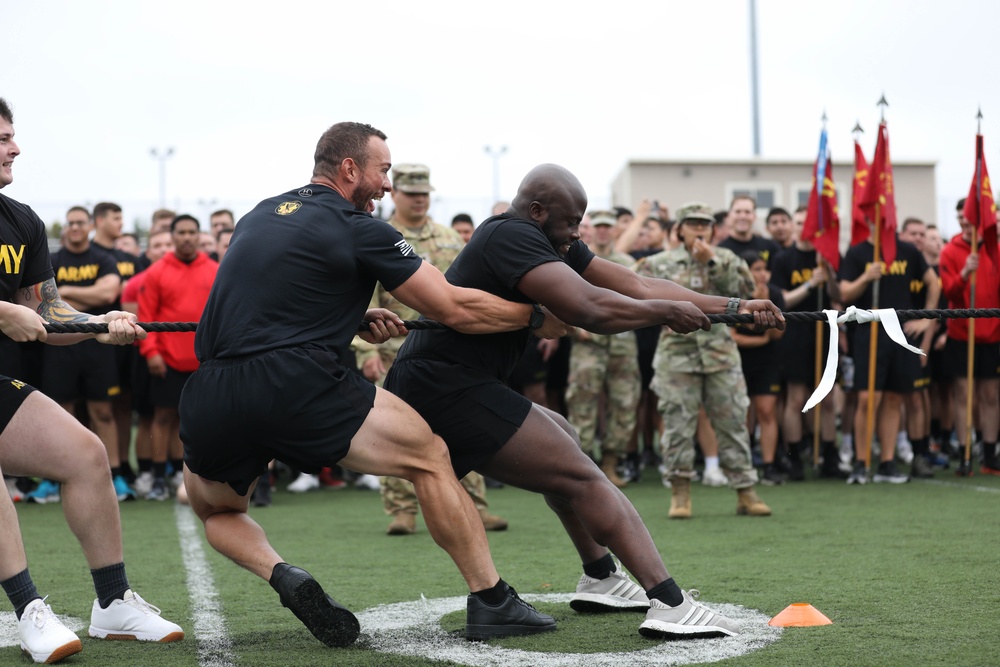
x: 765, y: 194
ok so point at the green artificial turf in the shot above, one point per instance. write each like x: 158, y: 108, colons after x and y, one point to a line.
x: 909, y: 574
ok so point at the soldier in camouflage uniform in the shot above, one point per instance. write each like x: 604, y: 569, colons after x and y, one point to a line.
x: 604, y: 364
x: 438, y: 245
x: 702, y: 369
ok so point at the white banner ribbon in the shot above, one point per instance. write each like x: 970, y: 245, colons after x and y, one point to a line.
x: 890, y: 322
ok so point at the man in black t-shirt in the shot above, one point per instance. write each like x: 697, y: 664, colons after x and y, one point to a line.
x: 897, y: 370
x: 38, y: 438
x: 742, y: 213
x: 533, y: 254
x: 286, y: 302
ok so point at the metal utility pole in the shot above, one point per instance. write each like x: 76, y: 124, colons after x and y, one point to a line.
x: 162, y: 157
x: 496, y: 154
x: 754, y: 90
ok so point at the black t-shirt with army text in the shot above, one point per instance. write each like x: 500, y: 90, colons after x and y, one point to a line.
x: 300, y: 271
x: 766, y: 249
x: 794, y: 267
x: 901, y: 281
x: 84, y: 269
x: 24, y: 248
x: 498, y: 255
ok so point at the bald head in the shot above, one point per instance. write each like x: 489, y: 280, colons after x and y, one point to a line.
x: 554, y: 199
x: 548, y: 185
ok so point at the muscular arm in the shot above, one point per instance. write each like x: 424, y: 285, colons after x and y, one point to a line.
x: 43, y: 299
x: 466, y: 310
x: 102, y: 293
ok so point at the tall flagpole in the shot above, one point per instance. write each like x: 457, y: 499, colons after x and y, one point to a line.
x: 965, y: 468
x: 818, y: 367
x: 873, y: 342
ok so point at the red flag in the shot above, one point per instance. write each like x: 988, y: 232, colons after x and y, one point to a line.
x: 980, y: 209
x: 859, y: 224
x: 881, y: 190
x: 822, y: 224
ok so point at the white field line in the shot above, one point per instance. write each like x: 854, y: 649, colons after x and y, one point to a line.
x: 215, y: 649
x: 956, y: 485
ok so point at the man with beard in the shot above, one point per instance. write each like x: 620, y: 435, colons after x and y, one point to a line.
x: 533, y: 254
x: 285, y: 305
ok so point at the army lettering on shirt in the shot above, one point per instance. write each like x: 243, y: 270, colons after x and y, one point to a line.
x: 24, y: 250
x: 793, y: 268
x: 901, y: 282
x: 84, y: 269
x: 767, y: 249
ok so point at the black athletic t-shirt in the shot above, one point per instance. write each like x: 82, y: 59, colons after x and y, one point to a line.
x: 766, y: 248
x: 900, y: 281
x: 764, y: 356
x: 498, y: 255
x: 83, y: 269
x: 24, y: 249
x: 793, y: 267
x: 300, y: 269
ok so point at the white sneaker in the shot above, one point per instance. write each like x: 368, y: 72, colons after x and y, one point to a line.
x: 15, y: 493
x: 304, y: 482
x: 177, y: 480
x: 615, y: 592
x: 688, y: 619
x: 132, y: 618
x: 143, y: 484
x: 904, y: 449
x: 43, y: 636
x: 369, y: 482
x: 715, y: 477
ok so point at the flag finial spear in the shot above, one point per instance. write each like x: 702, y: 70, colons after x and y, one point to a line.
x: 823, y: 118
x: 979, y: 120
x: 883, y: 104
x: 858, y: 130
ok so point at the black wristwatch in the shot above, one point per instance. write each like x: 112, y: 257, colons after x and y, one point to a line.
x: 537, y: 318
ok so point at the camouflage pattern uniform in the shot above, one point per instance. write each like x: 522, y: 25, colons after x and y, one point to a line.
x: 438, y: 245
x: 702, y: 369
x: 604, y: 364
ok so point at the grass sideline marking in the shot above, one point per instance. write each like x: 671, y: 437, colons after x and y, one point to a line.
x: 956, y: 485
x: 413, y: 629
x: 215, y: 649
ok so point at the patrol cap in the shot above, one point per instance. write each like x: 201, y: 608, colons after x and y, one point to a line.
x: 412, y: 178
x: 696, y: 210
x: 603, y: 218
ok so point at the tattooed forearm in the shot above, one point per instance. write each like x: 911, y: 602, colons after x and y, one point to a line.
x: 54, y: 309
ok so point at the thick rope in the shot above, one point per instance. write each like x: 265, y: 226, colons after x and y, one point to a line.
x: 414, y: 325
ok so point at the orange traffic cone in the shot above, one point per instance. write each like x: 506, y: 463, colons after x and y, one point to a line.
x: 799, y: 615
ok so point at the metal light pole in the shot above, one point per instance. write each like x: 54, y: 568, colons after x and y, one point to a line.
x: 496, y: 154
x: 162, y: 157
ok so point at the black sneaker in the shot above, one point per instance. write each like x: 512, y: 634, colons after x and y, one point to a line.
x: 771, y: 476
x: 261, y: 496
x: 796, y: 470
x: 328, y: 621
x: 511, y: 617
x: 921, y: 468
x: 886, y: 473
x: 859, y: 474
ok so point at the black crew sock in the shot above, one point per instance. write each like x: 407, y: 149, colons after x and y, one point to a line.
x: 177, y: 465
x: 600, y: 568
x: 936, y: 431
x: 145, y: 465
x: 116, y: 471
x: 493, y: 596
x: 667, y: 592
x: 21, y: 591
x: 795, y: 451
x: 921, y: 446
x: 110, y: 583
x: 160, y: 469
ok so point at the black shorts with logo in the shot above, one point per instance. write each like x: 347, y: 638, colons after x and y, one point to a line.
x: 12, y: 395
x: 87, y: 370
x: 896, y: 368
x: 297, y: 405
x: 473, y: 412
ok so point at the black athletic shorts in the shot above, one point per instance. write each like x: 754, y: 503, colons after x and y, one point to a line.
x: 165, y: 392
x: 87, y: 370
x: 142, y: 398
x: 762, y: 380
x: 297, y: 405
x: 985, y: 363
x: 474, y: 412
x: 646, y: 340
x: 797, y: 353
x: 12, y: 395
x: 896, y: 368
x: 531, y: 368
x: 125, y: 358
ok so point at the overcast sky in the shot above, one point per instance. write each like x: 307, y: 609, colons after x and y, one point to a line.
x: 242, y: 90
